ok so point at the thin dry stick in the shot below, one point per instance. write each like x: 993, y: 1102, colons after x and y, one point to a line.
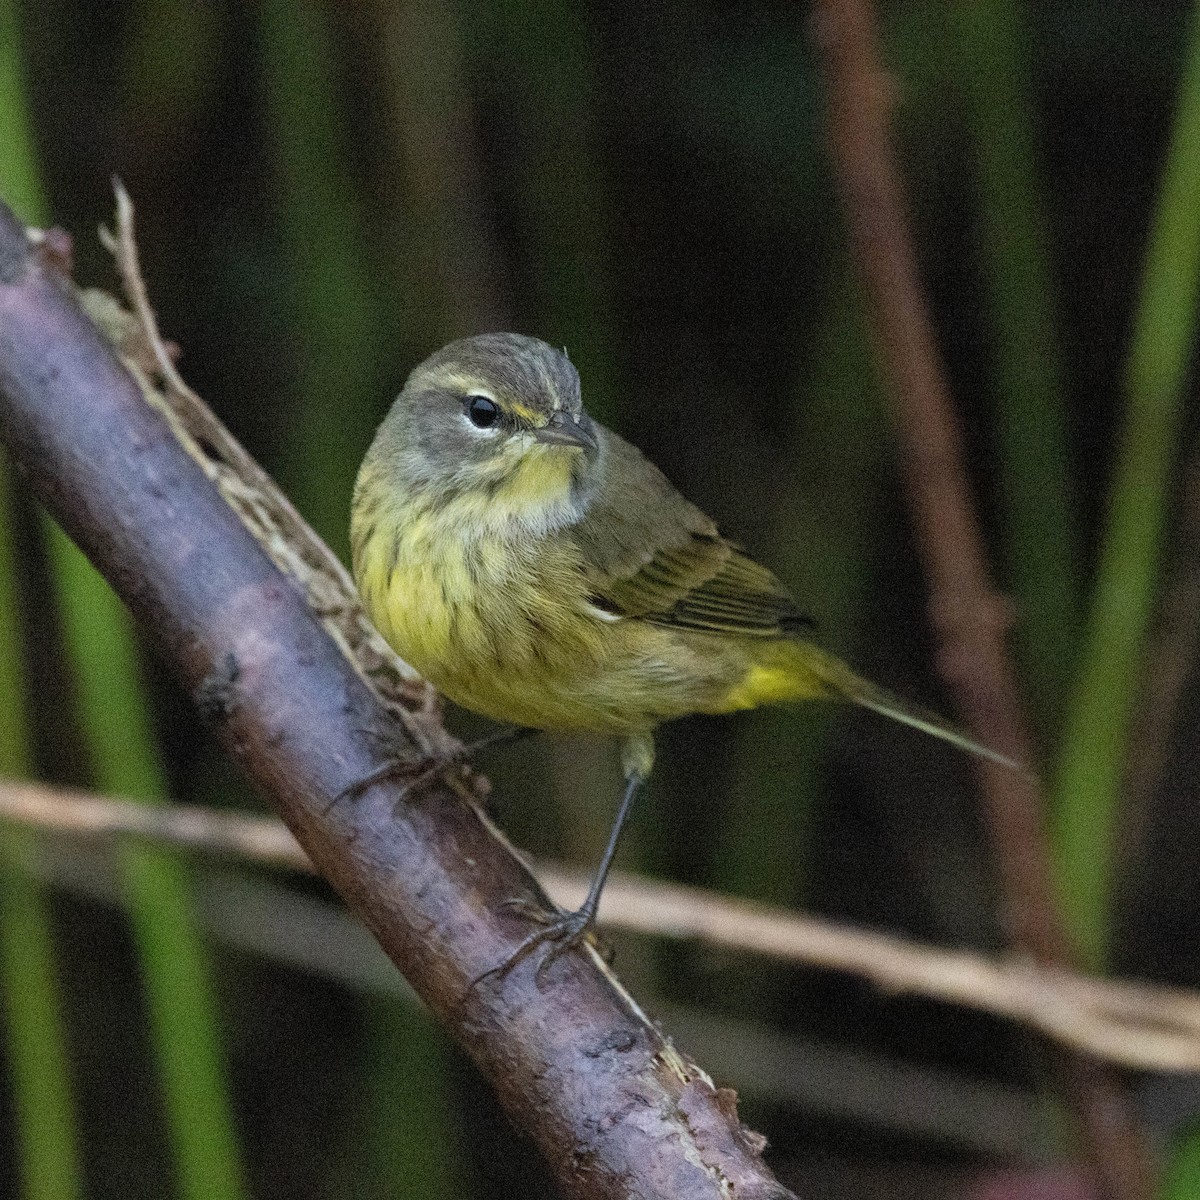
x: 968, y: 615
x: 1142, y: 1027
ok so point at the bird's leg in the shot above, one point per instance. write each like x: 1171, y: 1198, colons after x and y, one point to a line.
x: 418, y: 774
x: 567, y: 930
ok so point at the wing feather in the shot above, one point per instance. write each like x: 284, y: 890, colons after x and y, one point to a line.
x: 650, y: 553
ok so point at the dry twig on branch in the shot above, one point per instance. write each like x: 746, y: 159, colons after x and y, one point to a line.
x: 970, y: 618
x: 615, y: 1108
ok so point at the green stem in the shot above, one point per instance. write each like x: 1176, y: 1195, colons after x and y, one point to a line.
x: 1097, y: 727
x: 35, y: 1033
x: 443, y: 250
x: 36, y: 1040
x: 405, y: 1149
x: 185, y: 1024
x: 337, y: 398
x: 546, y: 56
x: 821, y: 537
x: 338, y: 380
x: 1182, y: 1178
x: 1040, y: 520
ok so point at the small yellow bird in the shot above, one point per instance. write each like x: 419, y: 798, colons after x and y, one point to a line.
x: 537, y: 569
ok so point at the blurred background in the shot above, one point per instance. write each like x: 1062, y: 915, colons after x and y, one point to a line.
x: 326, y: 193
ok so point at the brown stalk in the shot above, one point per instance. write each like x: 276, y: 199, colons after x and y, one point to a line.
x: 969, y: 617
x: 615, y: 1108
x: 433, y: 155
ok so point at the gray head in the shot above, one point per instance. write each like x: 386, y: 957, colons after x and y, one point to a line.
x: 498, y: 412
x: 529, y: 379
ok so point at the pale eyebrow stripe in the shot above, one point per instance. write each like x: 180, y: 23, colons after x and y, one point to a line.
x: 450, y: 378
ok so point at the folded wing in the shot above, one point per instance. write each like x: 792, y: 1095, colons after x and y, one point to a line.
x: 649, y: 553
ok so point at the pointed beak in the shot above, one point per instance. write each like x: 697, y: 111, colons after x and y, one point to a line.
x: 565, y: 430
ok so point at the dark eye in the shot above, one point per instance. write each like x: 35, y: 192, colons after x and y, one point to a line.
x: 482, y: 412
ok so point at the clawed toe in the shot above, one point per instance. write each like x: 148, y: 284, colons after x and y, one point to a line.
x: 559, y: 933
x: 419, y: 774
x: 413, y: 775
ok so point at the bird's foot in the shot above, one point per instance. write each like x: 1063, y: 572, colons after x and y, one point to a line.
x: 417, y: 774
x: 413, y: 774
x: 559, y: 932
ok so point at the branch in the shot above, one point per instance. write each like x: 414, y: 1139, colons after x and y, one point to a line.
x: 968, y: 615
x: 1139, y: 1026
x: 615, y: 1108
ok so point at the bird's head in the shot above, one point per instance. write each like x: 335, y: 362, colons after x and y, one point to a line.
x: 496, y: 419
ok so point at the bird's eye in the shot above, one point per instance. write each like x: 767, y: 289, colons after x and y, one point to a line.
x: 482, y: 412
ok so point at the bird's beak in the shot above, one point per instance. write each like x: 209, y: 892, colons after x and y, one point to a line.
x: 565, y: 430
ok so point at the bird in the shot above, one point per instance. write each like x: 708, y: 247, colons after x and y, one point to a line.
x: 538, y: 569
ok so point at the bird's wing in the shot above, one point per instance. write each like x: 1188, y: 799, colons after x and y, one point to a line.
x: 650, y: 553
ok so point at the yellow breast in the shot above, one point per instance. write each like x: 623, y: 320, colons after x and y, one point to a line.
x: 496, y: 620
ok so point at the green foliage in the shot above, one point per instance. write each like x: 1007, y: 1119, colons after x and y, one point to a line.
x: 1095, y: 745
x: 406, y: 1149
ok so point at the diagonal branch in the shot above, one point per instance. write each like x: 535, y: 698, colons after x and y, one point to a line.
x: 969, y: 616
x: 614, y: 1107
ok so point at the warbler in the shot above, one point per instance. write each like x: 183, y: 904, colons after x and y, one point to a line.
x: 537, y: 569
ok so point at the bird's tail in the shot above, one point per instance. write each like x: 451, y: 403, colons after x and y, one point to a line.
x: 842, y: 682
